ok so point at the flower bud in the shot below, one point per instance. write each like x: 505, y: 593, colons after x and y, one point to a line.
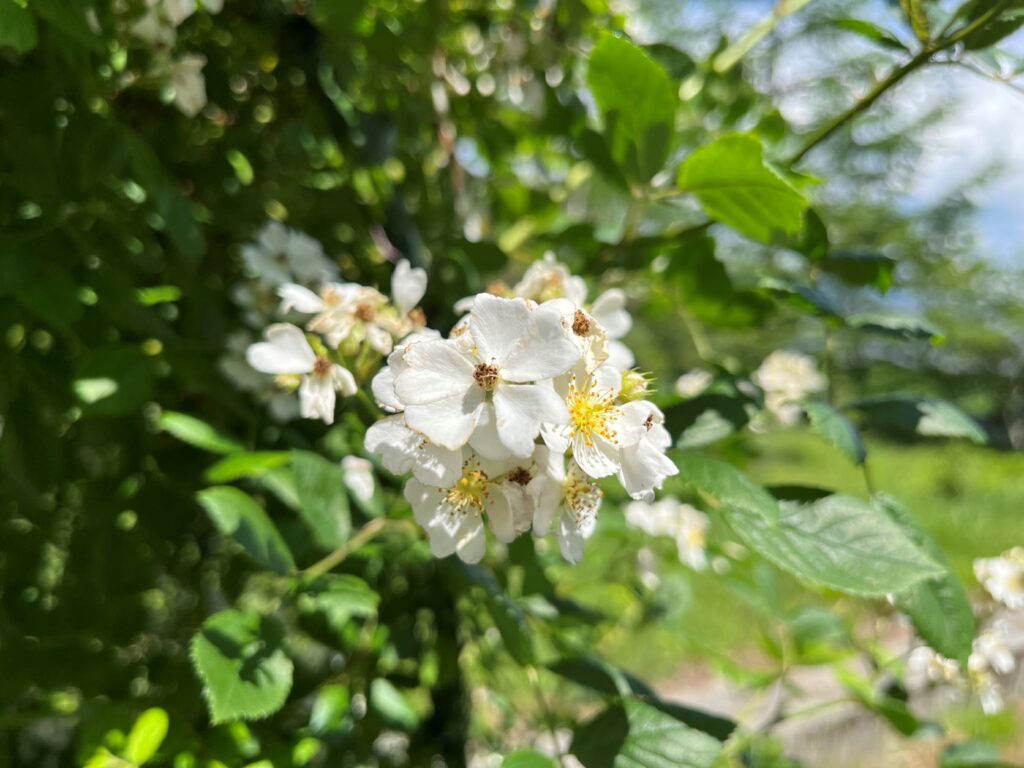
x: 634, y: 385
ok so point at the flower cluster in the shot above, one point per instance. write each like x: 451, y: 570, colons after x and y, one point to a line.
x: 682, y: 522
x: 786, y: 378
x: 515, y: 417
x: 993, y: 651
x: 1003, y: 577
x: 157, y: 26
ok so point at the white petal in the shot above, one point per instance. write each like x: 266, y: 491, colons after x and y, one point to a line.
x: 380, y: 340
x: 434, y: 370
x: 485, y: 440
x: 407, y: 286
x: 557, y: 437
x: 498, y: 326
x: 358, y: 477
x: 598, y: 458
x: 383, y: 388
x: 285, y: 351
x: 644, y: 468
x: 570, y: 540
x: 395, y: 443
x: 546, y: 352
x: 299, y: 298
x: 500, y: 517
x: 609, y: 309
x: 317, y: 398
x: 448, y: 422
x: 471, y: 543
x: 435, y: 465
x: 520, y: 409
x: 343, y: 381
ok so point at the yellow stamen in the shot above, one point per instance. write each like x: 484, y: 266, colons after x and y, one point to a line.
x: 591, y: 412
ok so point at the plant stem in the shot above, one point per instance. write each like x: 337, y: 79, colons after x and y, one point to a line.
x: 894, y: 77
x: 365, y: 534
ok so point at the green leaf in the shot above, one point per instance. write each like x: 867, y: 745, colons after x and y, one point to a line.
x: 195, y: 432
x: 391, y: 704
x: 837, y: 542
x: 925, y: 416
x: 508, y: 617
x: 601, y: 677
x: 114, y: 380
x: 852, y: 268
x: 836, y: 429
x: 338, y: 597
x: 17, y: 27
x: 158, y: 294
x: 239, y: 658
x: 323, y: 502
x: 730, y: 487
x: 736, y: 187
x: 636, y: 735
x: 939, y: 609
x: 908, y: 328
x: 638, y: 102
x: 874, y: 33
x: 917, y: 16
x: 971, y: 754
x: 234, y: 513
x: 995, y: 31
x: 146, y: 736
x: 246, y: 464
x: 527, y: 758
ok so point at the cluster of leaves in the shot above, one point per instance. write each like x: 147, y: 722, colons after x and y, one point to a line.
x: 138, y: 573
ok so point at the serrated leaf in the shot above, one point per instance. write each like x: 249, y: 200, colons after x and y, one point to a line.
x: 939, y: 608
x: 915, y: 414
x: 527, y: 758
x: 338, y: 597
x: 196, y: 432
x: 146, y: 736
x: 236, y: 514
x: 246, y: 464
x: 736, y: 187
x: 638, y: 103
x: 390, y: 703
x: 730, y: 487
x: 836, y: 429
x: 17, y: 27
x: 837, y: 542
x: 239, y: 658
x: 323, y: 502
x: 636, y: 735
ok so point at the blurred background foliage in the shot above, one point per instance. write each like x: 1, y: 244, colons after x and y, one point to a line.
x: 461, y: 135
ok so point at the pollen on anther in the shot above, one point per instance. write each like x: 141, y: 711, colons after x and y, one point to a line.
x: 321, y: 365
x: 486, y: 375
x: 580, y: 323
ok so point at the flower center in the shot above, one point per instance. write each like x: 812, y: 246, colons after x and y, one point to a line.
x: 695, y: 538
x: 470, y: 492
x: 365, y: 312
x: 592, y: 412
x: 580, y: 323
x: 321, y: 365
x: 486, y: 375
x: 519, y: 475
x: 418, y: 317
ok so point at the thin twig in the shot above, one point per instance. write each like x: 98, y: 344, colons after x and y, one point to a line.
x: 365, y: 534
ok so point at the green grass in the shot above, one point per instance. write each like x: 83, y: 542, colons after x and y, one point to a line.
x: 970, y: 498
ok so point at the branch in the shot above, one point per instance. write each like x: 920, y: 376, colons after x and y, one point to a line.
x: 894, y: 77
x: 365, y: 534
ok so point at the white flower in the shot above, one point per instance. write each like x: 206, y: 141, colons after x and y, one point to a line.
x: 643, y: 463
x: 570, y: 498
x: 358, y: 477
x: 1003, y: 577
x: 787, y: 378
x: 682, y: 522
x: 286, y: 352
x: 283, y: 406
x: 597, y: 427
x: 446, y: 384
x: 189, y: 84
x: 281, y: 255
x: 549, y: 279
x: 928, y: 665
x: 693, y: 383
x: 990, y: 657
x: 453, y: 516
x: 609, y: 309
